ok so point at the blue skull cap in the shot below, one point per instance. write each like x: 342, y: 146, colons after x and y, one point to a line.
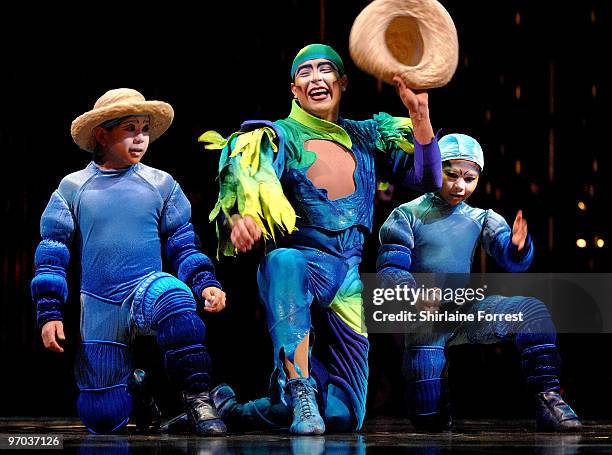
x: 461, y: 147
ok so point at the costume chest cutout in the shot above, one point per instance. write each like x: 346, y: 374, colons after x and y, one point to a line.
x: 333, y: 170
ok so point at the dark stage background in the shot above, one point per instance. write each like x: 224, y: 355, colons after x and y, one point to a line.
x: 530, y: 86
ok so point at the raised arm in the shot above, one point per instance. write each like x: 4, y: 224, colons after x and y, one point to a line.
x: 411, y: 152
x: 512, y: 248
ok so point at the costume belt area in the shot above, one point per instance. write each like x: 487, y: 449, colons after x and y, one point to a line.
x: 262, y: 173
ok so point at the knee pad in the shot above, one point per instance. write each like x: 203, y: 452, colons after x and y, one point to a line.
x: 537, y: 327
x: 105, y: 411
x: 181, y: 338
x: 157, y: 297
x: 423, y: 368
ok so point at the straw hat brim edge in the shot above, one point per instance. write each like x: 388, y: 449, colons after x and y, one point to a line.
x: 83, y: 126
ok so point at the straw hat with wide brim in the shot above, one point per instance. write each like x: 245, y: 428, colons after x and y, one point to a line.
x: 416, y: 39
x: 120, y: 102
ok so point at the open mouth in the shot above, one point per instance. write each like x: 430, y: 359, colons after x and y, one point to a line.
x: 318, y: 93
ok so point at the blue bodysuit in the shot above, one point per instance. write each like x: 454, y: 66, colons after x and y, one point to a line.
x: 121, y: 221
x: 428, y: 235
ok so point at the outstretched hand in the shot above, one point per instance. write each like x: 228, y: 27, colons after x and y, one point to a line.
x: 417, y: 103
x: 519, y: 231
x: 52, y: 333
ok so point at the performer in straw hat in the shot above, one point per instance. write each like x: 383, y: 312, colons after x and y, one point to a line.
x: 312, y: 177
x: 438, y: 233
x: 121, y: 214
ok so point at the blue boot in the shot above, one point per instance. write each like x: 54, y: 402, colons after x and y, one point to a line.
x: 224, y: 398
x: 229, y: 409
x: 306, y: 416
x: 554, y: 414
x: 259, y: 414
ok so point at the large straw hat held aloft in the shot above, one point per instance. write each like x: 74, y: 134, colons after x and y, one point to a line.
x: 117, y: 103
x: 416, y: 39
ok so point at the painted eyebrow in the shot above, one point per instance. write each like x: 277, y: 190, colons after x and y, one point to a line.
x: 301, y: 67
x: 319, y: 65
x: 461, y: 172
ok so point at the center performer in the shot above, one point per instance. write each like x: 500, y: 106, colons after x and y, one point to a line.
x: 312, y: 176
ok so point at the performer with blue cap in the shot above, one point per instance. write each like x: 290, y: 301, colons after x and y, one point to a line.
x: 438, y: 233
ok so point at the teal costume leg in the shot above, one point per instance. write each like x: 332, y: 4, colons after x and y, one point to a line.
x: 288, y: 280
x: 284, y: 290
x: 340, y: 371
x: 287, y: 302
x: 534, y: 337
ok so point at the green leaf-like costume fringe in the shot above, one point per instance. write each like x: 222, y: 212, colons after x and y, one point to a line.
x: 395, y: 129
x: 247, y: 177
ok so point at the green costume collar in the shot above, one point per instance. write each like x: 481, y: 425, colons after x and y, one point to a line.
x: 325, y: 128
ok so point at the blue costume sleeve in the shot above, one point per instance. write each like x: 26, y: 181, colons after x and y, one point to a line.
x: 182, y: 246
x: 413, y: 165
x: 49, y: 287
x: 497, y: 241
x: 394, y: 257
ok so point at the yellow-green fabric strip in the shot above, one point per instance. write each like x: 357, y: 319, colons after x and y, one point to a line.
x: 348, y: 302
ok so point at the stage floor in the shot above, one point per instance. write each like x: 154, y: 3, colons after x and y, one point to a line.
x: 380, y: 436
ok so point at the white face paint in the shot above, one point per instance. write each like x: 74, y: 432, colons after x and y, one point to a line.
x: 310, y: 71
x: 459, y: 180
x: 318, y: 87
x: 124, y: 144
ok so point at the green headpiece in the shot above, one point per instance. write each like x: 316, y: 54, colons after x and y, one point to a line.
x: 313, y: 51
